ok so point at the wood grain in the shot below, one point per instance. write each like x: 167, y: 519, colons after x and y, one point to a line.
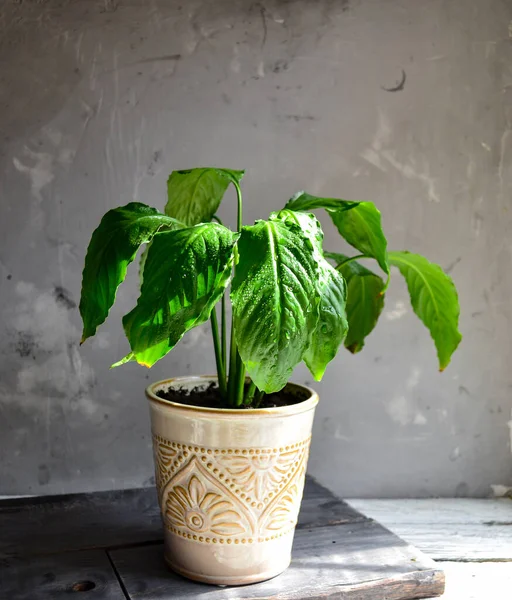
x: 113, y: 539
x: 359, y: 560
x: 57, y: 576
x: 438, y: 510
x: 462, y: 542
x: 321, y: 507
x: 449, y: 529
x: 49, y: 524
x: 117, y: 518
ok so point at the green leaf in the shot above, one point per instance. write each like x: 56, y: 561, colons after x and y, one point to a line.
x: 274, y: 301
x: 332, y: 322
x: 128, y: 358
x: 185, y: 274
x: 112, y: 248
x: 361, y: 227
x: 142, y: 262
x: 434, y: 300
x: 302, y: 201
x: 331, y: 327
x: 358, y: 222
x: 365, y: 300
x: 194, y: 195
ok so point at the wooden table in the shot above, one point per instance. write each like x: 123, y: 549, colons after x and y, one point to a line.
x: 108, y: 546
x: 470, y: 539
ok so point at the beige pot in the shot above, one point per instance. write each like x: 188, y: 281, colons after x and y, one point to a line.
x: 229, y: 484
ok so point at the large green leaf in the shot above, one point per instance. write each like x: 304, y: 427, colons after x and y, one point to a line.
x: 332, y: 322
x: 365, y: 300
x: 434, y: 300
x: 331, y: 327
x: 112, y: 248
x: 358, y: 222
x: 194, y: 195
x: 361, y: 227
x: 303, y: 201
x: 142, y: 262
x: 274, y: 301
x: 185, y: 274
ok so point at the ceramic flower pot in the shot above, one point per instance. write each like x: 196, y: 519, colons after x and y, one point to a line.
x: 229, y: 483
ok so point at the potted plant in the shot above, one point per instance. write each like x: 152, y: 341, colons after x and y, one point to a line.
x: 231, y: 451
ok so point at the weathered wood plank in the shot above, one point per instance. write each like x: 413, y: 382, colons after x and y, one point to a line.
x: 55, y: 576
x: 359, y: 560
x: 477, y: 581
x: 321, y: 507
x: 117, y: 518
x: 460, y: 542
x: 449, y: 529
x: 78, y: 521
x: 440, y: 510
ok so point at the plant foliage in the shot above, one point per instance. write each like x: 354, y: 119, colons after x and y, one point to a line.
x: 289, y: 303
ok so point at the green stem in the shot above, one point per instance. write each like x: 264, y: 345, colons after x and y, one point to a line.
x: 221, y: 368
x: 235, y: 396
x: 232, y: 369
x: 239, y: 203
x: 223, y: 339
x: 251, y: 390
x: 386, y: 285
x: 348, y: 260
x: 258, y: 398
x: 240, y: 380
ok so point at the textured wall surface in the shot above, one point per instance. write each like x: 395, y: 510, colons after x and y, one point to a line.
x: 100, y: 100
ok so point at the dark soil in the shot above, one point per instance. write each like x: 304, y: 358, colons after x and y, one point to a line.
x: 210, y: 398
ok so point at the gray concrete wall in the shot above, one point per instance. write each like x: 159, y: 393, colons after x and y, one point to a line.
x: 100, y: 100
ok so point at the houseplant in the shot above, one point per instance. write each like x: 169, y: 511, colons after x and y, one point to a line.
x: 231, y: 451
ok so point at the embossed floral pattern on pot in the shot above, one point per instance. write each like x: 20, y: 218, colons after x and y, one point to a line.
x: 200, y: 511
x: 229, y: 483
x: 230, y: 495
x: 259, y: 473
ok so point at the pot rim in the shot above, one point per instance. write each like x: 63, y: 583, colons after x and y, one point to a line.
x: 277, y: 411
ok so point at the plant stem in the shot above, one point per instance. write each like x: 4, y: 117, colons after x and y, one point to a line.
x: 221, y: 367
x: 348, y: 260
x: 223, y: 339
x: 236, y: 379
x: 258, y: 398
x: 239, y: 202
x: 232, y: 369
x: 240, y: 380
x: 338, y: 267
x: 250, y: 394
